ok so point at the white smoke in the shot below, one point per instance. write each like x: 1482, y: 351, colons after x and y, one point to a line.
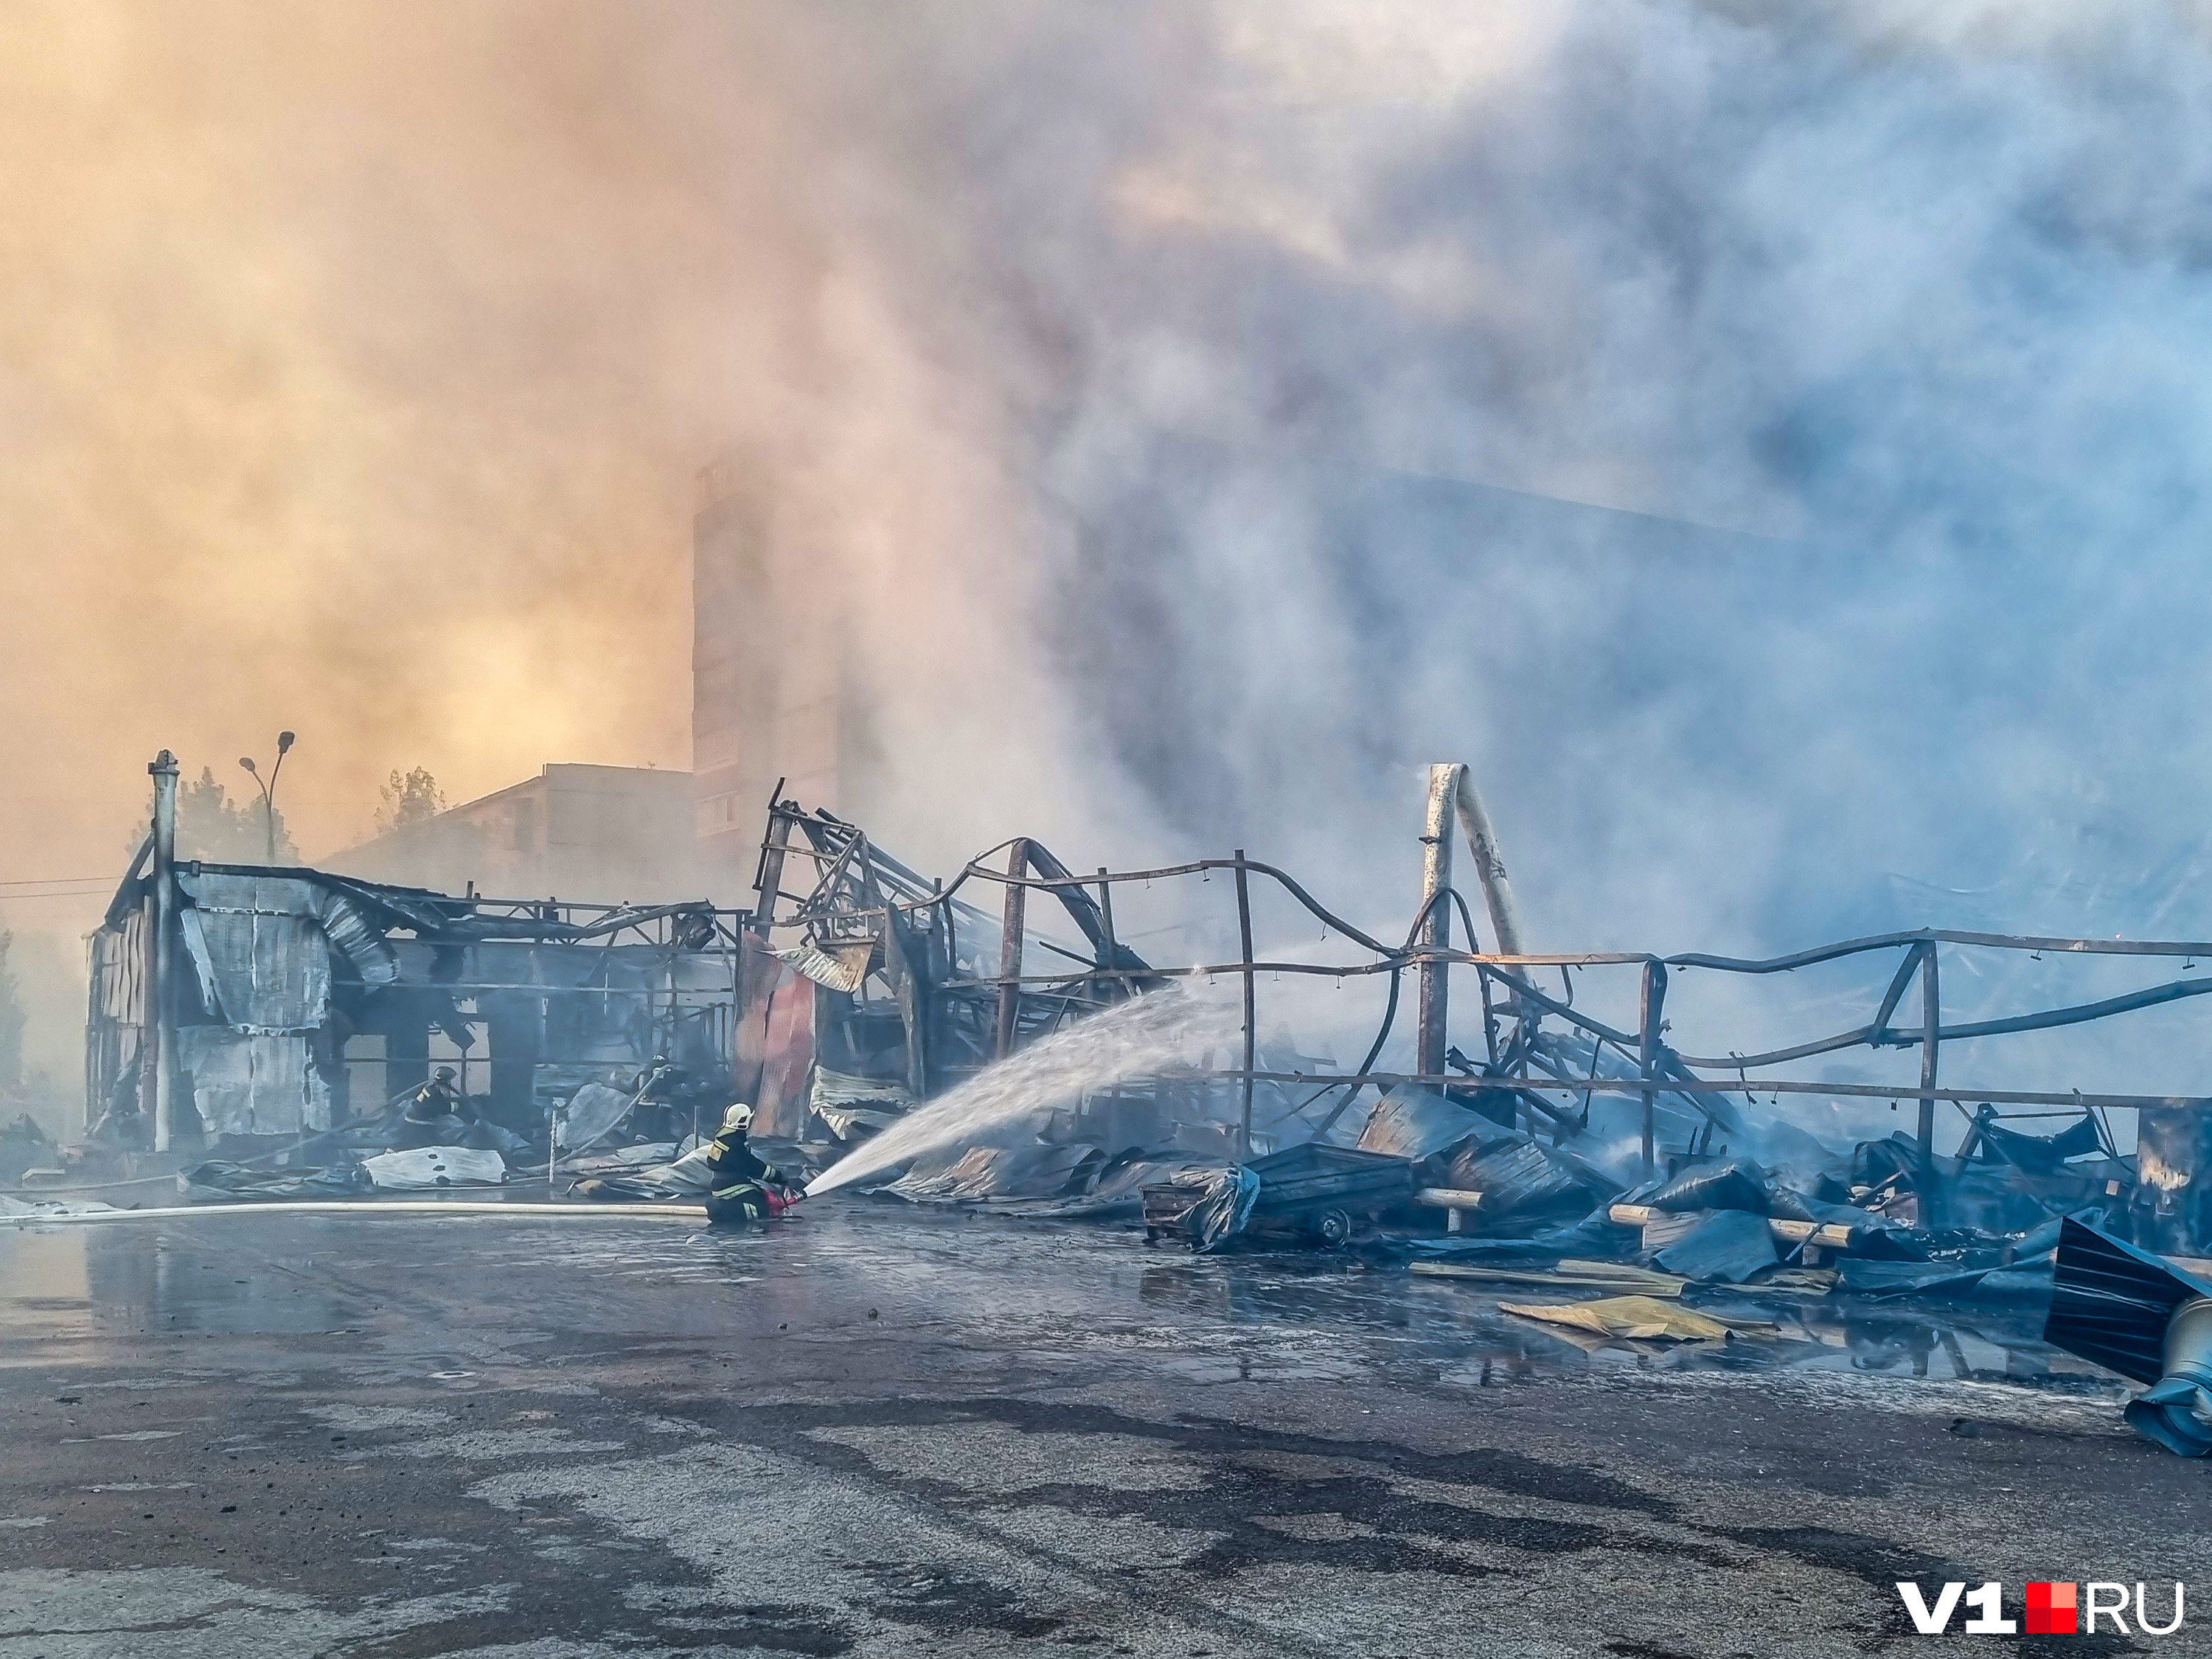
x: 1766, y: 442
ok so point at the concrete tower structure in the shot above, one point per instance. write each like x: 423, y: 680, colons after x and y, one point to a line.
x: 772, y: 693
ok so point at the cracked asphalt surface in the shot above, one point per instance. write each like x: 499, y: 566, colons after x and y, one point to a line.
x: 874, y: 1431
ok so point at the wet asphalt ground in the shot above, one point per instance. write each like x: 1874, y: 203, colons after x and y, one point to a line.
x: 872, y: 1431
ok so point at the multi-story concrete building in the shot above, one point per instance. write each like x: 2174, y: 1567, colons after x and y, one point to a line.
x: 772, y: 693
x: 772, y: 696
x: 597, y: 833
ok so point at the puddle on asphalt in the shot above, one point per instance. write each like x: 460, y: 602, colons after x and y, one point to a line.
x: 1323, y: 1317
x: 83, y: 1282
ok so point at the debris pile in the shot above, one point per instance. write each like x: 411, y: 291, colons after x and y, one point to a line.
x: 1510, y: 1201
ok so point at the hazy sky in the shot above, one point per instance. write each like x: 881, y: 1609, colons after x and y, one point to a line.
x: 358, y: 362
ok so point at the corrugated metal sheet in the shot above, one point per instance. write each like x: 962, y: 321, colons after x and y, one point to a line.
x: 258, y: 948
x: 118, y: 972
x: 844, y: 1089
x: 240, y: 928
x: 1413, y: 1123
x: 840, y: 969
x: 253, y: 1085
x: 845, y: 1102
x: 355, y: 935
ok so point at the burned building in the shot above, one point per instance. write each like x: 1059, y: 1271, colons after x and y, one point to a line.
x: 237, y: 1001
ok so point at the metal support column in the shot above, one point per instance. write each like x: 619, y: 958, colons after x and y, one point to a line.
x: 1931, y: 1025
x: 1111, y: 952
x: 1434, y: 932
x: 1651, y: 1016
x: 1251, y: 1031
x: 160, y: 1010
x: 1010, y: 947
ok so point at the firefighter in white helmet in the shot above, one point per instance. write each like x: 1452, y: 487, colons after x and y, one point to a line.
x: 745, y: 1186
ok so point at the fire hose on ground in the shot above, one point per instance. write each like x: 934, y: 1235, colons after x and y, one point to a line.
x: 364, y: 1207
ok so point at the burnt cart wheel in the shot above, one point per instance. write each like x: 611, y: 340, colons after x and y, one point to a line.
x: 1333, y: 1228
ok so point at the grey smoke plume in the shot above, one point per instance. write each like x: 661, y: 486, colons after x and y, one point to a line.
x: 1767, y: 441
x: 1869, y: 342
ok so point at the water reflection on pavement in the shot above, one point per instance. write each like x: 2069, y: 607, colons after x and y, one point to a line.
x: 1065, y: 1286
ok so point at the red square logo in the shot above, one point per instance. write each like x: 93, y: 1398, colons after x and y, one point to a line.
x: 2050, y: 1610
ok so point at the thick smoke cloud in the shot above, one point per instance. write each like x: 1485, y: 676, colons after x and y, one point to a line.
x: 1867, y: 345
x: 1196, y: 398
x: 1913, y: 314
x: 357, y: 364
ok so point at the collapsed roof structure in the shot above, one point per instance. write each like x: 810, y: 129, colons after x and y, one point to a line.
x: 236, y: 1000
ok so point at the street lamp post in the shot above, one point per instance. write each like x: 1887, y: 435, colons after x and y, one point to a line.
x: 269, y: 787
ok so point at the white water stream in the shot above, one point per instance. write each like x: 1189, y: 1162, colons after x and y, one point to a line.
x: 1138, y: 1038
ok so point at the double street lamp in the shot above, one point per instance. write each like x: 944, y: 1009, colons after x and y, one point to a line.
x: 268, y: 786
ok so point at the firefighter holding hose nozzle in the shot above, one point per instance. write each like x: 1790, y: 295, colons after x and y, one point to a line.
x: 745, y: 1188
x: 436, y: 1114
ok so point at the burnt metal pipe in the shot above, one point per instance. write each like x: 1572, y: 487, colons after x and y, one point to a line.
x: 1010, y: 949
x: 1251, y: 1011
x: 2176, y: 1411
x: 1931, y: 1006
x: 1489, y: 865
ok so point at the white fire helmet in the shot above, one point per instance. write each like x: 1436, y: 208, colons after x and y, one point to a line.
x: 739, y: 1116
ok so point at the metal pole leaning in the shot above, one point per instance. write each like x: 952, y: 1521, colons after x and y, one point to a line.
x: 767, y: 874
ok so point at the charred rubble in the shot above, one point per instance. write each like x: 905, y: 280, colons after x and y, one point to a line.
x: 1557, y: 1118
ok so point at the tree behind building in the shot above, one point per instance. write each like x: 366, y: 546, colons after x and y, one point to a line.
x: 212, y: 826
x: 408, y: 798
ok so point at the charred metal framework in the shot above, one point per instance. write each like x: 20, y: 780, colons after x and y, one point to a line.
x: 914, y: 988
x: 960, y: 986
x: 233, y: 985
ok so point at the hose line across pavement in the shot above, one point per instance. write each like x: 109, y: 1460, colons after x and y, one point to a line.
x: 371, y: 1207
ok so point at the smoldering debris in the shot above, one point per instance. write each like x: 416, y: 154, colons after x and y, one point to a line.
x: 23, y: 1147
x: 219, y: 1181
x: 1314, y: 1194
x: 1596, y: 1160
